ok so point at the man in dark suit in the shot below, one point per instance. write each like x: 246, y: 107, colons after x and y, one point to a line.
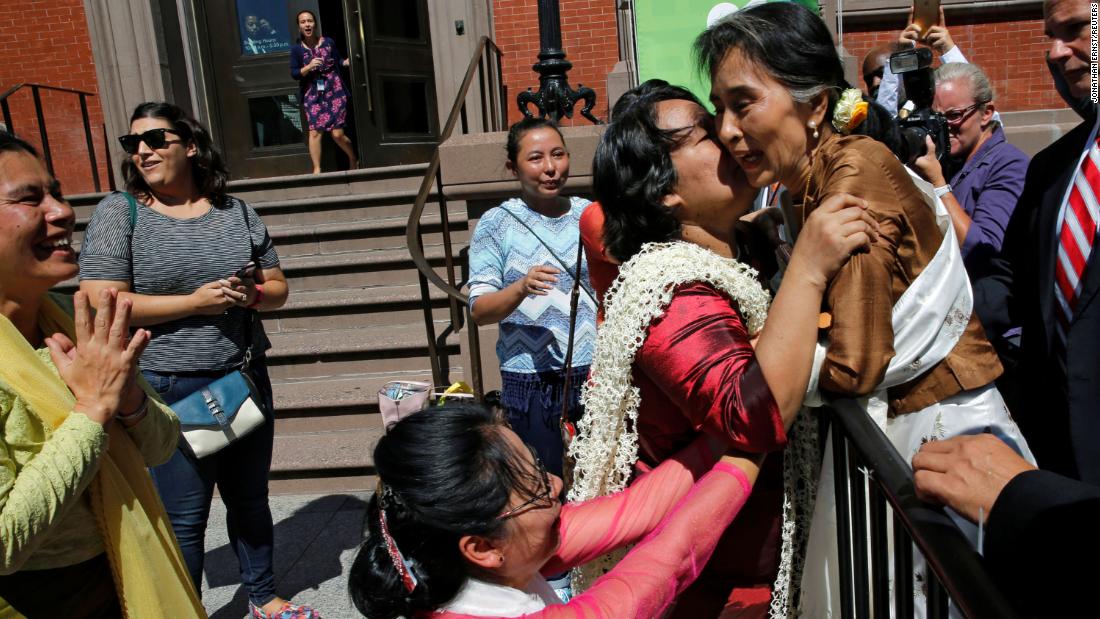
x: 1044, y: 280
x: 1040, y: 528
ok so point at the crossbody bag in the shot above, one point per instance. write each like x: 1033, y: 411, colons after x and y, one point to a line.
x: 227, y: 409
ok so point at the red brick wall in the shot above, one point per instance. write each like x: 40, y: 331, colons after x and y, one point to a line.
x: 47, y: 42
x: 589, y: 36
x: 1009, y: 49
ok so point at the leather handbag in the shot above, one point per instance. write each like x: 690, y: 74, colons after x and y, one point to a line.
x: 220, y: 413
x: 229, y: 408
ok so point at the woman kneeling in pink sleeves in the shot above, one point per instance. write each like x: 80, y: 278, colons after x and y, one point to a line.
x: 467, y: 521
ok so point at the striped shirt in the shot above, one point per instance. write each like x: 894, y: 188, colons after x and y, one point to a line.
x: 534, y: 337
x: 168, y: 256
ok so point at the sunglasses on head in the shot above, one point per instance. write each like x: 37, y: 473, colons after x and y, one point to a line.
x: 154, y: 138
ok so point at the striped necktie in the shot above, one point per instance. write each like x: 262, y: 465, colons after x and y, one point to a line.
x: 1075, y: 237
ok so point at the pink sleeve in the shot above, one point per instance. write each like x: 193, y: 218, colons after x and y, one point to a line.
x: 646, y: 582
x: 596, y: 526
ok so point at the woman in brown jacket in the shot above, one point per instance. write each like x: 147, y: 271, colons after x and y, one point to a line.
x: 900, y: 339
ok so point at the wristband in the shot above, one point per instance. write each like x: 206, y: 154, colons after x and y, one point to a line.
x: 259, y: 297
x: 942, y: 191
x: 137, y: 412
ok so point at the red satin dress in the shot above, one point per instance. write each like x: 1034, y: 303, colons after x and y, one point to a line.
x: 697, y: 373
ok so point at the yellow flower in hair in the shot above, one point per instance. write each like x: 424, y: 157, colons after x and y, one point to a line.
x: 850, y: 111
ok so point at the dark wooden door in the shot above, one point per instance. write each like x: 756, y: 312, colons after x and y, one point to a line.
x: 258, y: 116
x: 392, y: 79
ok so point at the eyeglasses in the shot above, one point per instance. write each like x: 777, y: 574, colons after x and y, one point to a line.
x: 154, y: 138
x: 957, y: 117
x: 543, y: 499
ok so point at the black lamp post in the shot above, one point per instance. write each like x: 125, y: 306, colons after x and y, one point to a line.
x: 555, y: 98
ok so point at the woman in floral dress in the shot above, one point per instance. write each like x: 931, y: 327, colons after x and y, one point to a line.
x: 315, y: 63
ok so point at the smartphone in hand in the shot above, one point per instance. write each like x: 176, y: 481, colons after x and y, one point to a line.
x: 926, y: 13
x: 248, y: 271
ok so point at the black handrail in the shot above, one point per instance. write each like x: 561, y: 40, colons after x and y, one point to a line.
x: 47, y: 154
x: 494, y: 116
x: 860, y: 449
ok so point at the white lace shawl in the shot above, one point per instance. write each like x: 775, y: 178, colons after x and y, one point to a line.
x: 606, y: 445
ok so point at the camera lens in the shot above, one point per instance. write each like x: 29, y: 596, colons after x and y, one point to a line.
x: 913, y: 142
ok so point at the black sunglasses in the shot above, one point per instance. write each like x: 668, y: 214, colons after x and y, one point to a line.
x: 544, y: 498
x: 154, y: 138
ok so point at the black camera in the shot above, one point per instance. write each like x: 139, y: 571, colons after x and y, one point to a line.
x: 916, y: 118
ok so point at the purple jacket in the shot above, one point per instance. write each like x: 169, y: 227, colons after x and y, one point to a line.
x: 987, y: 187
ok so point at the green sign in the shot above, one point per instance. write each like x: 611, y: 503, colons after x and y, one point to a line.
x: 665, y: 31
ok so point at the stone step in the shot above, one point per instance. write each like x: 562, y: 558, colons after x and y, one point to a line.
x: 340, y: 452
x: 350, y: 182
x: 379, y: 233
x: 326, y: 429
x: 316, y: 354
x: 402, y: 178
x: 303, y: 404
x: 353, y: 269
x: 373, y: 267
x: 325, y: 210
x: 349, y: 308
x: 374, y: 233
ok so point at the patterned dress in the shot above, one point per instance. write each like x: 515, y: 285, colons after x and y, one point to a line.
x: 324, y: 98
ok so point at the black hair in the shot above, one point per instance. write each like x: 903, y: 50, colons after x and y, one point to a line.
x: 522, y: 128
x: 207, y: 166
x: 11, y: 143
x: 787, y: 41
x: 448, y: 473
x: 794, y: 46
x: 632, y: 170
x: 316, y: 24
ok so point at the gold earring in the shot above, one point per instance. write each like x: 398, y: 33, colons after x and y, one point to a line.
x: 813, y: 125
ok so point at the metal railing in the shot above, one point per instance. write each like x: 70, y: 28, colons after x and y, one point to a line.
x: 955, y: 571
x: 485, y: 65
x: 43, y: 135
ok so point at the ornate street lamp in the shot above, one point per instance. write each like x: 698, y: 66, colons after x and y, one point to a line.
x: 555, y: 98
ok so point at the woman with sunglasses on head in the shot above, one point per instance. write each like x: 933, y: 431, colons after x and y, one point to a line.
x: 467, y: 523
x: 315, y: 63
x: 196, y: 264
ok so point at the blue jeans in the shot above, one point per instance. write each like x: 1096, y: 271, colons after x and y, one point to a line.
x: 186, y: 487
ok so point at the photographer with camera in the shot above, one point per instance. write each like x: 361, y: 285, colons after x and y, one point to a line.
x: 983, y: 192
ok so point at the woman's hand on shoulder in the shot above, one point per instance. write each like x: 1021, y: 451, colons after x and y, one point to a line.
x: 100, y: 368
x: 838, y: 228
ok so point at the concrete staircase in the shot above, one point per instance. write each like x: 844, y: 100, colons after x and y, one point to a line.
x: 354, y: 320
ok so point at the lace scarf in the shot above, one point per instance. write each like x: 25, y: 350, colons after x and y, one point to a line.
x: 606, y: 446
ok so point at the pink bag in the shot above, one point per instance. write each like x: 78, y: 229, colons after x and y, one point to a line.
x: 400, y: 398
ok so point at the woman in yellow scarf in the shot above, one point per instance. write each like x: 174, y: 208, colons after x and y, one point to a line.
x: 82, y: 532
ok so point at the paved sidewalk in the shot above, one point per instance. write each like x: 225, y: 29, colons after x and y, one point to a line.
x: 315, y: 541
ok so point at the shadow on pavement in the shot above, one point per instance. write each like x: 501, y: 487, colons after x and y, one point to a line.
x: 308, y: 547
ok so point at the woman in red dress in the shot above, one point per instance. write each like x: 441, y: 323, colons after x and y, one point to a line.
x: 671, y: 198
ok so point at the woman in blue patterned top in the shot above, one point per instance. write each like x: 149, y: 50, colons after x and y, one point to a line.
x: 522, y: 262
